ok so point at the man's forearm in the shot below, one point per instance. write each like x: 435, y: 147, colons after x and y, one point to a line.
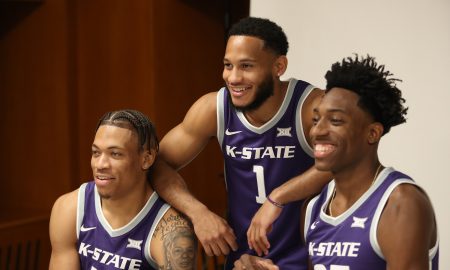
x: 301, y: 187
x: 173, y: 189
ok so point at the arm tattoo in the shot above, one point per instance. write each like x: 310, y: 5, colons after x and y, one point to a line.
x: 180, y: 244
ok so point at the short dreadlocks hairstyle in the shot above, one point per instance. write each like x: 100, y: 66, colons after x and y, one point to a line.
x: 273, y: 35
x: 378, y: 93
x: 136, y: 121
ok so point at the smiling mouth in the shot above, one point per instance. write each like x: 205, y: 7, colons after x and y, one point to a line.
x: 323, y: 150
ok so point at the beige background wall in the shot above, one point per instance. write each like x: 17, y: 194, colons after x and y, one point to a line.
x: 412, y: 38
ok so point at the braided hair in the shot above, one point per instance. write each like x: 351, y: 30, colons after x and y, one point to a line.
x: 134, y: 120
x: 378, y: 94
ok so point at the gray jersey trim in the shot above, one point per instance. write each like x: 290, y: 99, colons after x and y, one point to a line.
x: 80, y: 207
x: 342, y: 217
x: 220, y: 116
x: 308, y: 215
x: 147, y: 252
x: 376, y: 219
x: 299, y: 123
x: 272, y: 122
x: 128, y: 227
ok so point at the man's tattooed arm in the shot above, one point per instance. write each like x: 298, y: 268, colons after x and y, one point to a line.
x: 179, y: 242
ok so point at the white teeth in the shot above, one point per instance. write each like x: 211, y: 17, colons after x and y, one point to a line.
x: 322, y: 148
x: 239, y: 89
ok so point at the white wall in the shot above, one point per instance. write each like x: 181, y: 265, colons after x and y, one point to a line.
x: 412, y: 38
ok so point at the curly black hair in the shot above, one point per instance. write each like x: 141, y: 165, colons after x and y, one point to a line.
x: 378, y: 93
x: 133, y: 120
x: 272, y: 34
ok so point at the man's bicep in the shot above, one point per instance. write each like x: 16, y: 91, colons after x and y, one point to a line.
x: 175, y: 242
x: 407, y: 220
x: 63, y: 233
x: 185, y: 141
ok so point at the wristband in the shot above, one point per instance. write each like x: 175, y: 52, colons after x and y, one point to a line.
x: 279, y: 205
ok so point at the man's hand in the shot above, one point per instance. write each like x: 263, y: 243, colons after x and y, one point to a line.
x: 214, y: 233
x: 249, y: 262
x: 260, y: 226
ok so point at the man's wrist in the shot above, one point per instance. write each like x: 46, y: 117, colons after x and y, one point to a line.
x: 275, y: 203
x: 196, y: 212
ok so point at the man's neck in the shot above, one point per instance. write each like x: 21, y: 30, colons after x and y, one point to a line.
x: 351, y: 184
x: 270, y: 107
x: 119, y: 212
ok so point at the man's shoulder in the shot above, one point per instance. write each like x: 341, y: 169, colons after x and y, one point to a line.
x: 173, y: 220
x: 67, y: 201
x: 174, y: 231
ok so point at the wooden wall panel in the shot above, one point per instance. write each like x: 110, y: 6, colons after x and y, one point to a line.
x: 113, y: 65
x: 34, y: 142
x: 63, y: 63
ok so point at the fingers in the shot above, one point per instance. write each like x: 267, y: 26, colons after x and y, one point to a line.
x: 257, y: 238
x: 230, y: 239
x: 254, y: 263
x: 260, y: 226
x: 216, y: 236
x: 215, y: 246
x: 267, y: 264
x: 243, y: 263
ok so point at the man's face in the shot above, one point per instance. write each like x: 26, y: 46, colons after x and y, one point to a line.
x: 248, y: 72
x: 116, y: 161
x: 340, y: 131
x: 182, y: 253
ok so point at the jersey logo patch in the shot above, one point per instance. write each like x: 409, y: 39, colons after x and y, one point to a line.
x: 314, y: 225
x: 85, y: 229
x: 284, y: 132
x: 229, y: 133
x: 134, y: 243
x: 359, y: 222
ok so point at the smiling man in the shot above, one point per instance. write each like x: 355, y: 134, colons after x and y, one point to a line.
x: 370, y: 216
x: 261, y: 123
x: 117, y: 221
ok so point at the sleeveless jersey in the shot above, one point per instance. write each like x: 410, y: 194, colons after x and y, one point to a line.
x: 101, y: 247
x: 259, y: 159
x: 349, y: 241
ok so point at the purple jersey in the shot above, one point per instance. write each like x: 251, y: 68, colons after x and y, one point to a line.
x: 349, y: 241
x: 101, y: 247
x: 259, y: 159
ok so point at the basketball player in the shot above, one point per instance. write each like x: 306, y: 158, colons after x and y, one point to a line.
x: 117, y: 221
x: 261, y: 125
x: 370, y: 216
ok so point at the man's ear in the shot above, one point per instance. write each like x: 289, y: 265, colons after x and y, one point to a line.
x: 280, y: 65
x: 375, y: 132
x: 148, y: 159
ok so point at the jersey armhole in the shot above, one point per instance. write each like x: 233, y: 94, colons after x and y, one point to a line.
x: 220, y: 115
x: 376, y: 217
x: 299, y: 123
x: 308, y: 214
x: 80, y: 207
x: 148, y: 256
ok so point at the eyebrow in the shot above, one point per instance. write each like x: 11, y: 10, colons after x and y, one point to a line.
x: 242, y: 60
x: 331, y: 110
x: 109, y: 148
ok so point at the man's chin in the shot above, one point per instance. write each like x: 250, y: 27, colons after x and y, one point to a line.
x: 321, y: 167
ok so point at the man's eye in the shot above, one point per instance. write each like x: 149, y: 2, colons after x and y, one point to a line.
x: 337, y: 121
x: 95, y: 153
x: 116, y: 154
x: 227, y: 66
x: 246, y: 66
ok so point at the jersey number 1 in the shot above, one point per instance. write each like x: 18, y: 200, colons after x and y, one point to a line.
x: 259, y: 171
